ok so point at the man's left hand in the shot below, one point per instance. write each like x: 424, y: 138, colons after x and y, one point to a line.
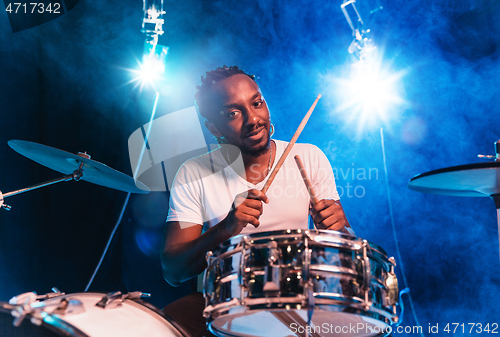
x: 329, y: 214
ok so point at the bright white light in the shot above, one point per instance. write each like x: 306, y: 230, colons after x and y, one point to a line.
x: 369, y: 93
x: 152, y: 67
x: 146, y: 74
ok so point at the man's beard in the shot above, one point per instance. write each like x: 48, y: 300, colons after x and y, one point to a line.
x: 256, y: 152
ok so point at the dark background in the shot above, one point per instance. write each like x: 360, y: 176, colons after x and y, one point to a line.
x: 65, y: 84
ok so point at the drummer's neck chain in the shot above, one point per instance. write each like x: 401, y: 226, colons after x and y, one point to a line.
x: 270, y: 158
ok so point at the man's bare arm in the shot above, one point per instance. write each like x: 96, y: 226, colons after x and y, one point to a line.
x: 184, y: 247
x: 184, y: 250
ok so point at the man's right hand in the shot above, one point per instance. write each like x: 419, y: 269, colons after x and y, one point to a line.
x: 185, y: 245
x: 247, y: 209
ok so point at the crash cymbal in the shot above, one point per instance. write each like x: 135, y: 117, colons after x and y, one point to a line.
x: 65, y: 162
x: 473, y: 180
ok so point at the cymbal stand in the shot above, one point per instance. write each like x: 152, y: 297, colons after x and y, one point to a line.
x: 76, y: 175
x: 496, y: 199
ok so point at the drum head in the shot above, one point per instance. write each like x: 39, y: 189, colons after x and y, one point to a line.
x: 293, y: 323
x: 133, y: 318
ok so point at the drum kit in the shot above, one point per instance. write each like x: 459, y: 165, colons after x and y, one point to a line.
x: 281, y: 283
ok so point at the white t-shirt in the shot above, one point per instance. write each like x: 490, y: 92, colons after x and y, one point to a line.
x: 205, y: 187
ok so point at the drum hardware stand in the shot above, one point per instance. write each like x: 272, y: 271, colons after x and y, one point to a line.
x: 495, y: 197
x: 76, y: 175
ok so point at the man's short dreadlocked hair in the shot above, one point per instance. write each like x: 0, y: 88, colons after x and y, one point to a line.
x: 203, y: 91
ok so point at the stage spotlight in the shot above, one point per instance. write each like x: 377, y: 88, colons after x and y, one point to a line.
x: 152, y: 66
x: 153, y: 62
x: 150, y: 71
x: 152, y: 20
x: 370, y: 93
x: 361, y: 46
x: 369, y: 90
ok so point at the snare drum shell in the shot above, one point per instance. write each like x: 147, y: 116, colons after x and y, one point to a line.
x: 335, y: 266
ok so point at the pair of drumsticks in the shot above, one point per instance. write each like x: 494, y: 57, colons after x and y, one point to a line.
x: 307, y: 182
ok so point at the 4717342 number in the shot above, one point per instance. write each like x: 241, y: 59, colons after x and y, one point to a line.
x: 33, y: 8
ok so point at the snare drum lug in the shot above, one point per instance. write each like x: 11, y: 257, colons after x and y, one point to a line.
x: 367, y: 303
x: 392, y: 289
x: 242, y: 278
x: 367, y: 275
x: 306, y: 260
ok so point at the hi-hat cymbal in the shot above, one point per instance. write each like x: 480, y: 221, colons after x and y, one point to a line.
x: 473, y: 180
x: 65, y: 162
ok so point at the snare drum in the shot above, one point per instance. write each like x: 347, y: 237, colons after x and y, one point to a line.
x: 295, y: 282
x: 77, y: 315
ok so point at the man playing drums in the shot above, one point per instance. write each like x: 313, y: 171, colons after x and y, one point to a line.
x: 218, y: 195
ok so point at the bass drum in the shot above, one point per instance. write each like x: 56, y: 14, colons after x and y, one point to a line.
x: 300, y: 283
x: 134, y: 318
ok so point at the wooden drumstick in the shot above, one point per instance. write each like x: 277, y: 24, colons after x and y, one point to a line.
x: 312, y: 194
x: 303, y: 173
x: 290, y: 145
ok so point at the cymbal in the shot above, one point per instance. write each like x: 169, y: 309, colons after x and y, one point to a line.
x: 473, y: 180
x: 65, y: 162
